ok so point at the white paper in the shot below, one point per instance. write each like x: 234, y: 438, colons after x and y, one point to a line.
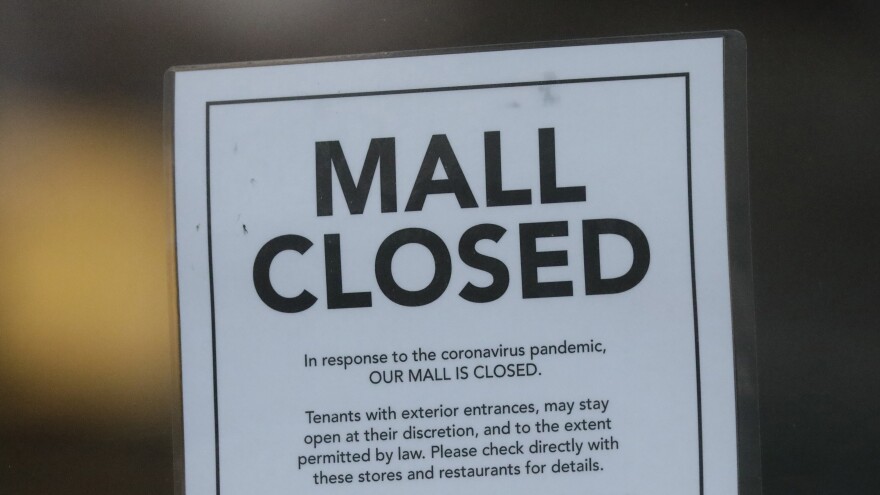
x: 639, y: 125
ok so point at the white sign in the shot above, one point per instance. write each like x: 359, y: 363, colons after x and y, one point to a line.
x: 485, y: 272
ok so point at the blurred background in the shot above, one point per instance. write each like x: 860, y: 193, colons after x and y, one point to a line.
x: 85, y: 381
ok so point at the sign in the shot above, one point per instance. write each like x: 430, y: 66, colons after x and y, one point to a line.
x: 522, y: 270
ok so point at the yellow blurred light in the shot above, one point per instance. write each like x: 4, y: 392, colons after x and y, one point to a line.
x: 83, y: 236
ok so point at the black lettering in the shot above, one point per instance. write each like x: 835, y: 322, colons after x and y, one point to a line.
x: 531, y: 259
x: 592, y: 261
x: 495, y: 193
x: 263, y: 284
x: 380, y: 155
x: 442, y: 267
x: 440, y: 151
x: 336, y: 298
x: 467, y: 250
x: 550, y: 193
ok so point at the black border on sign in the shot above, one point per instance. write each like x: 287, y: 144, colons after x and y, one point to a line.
x: 738, y: 227
x: 687, y: 101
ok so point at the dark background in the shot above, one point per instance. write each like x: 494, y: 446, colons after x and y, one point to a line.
x: 85, y: 381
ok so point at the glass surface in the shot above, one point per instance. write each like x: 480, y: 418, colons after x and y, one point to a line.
x: 85, y: 368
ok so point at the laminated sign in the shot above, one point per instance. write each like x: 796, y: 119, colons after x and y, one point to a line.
x: 514, y: 269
